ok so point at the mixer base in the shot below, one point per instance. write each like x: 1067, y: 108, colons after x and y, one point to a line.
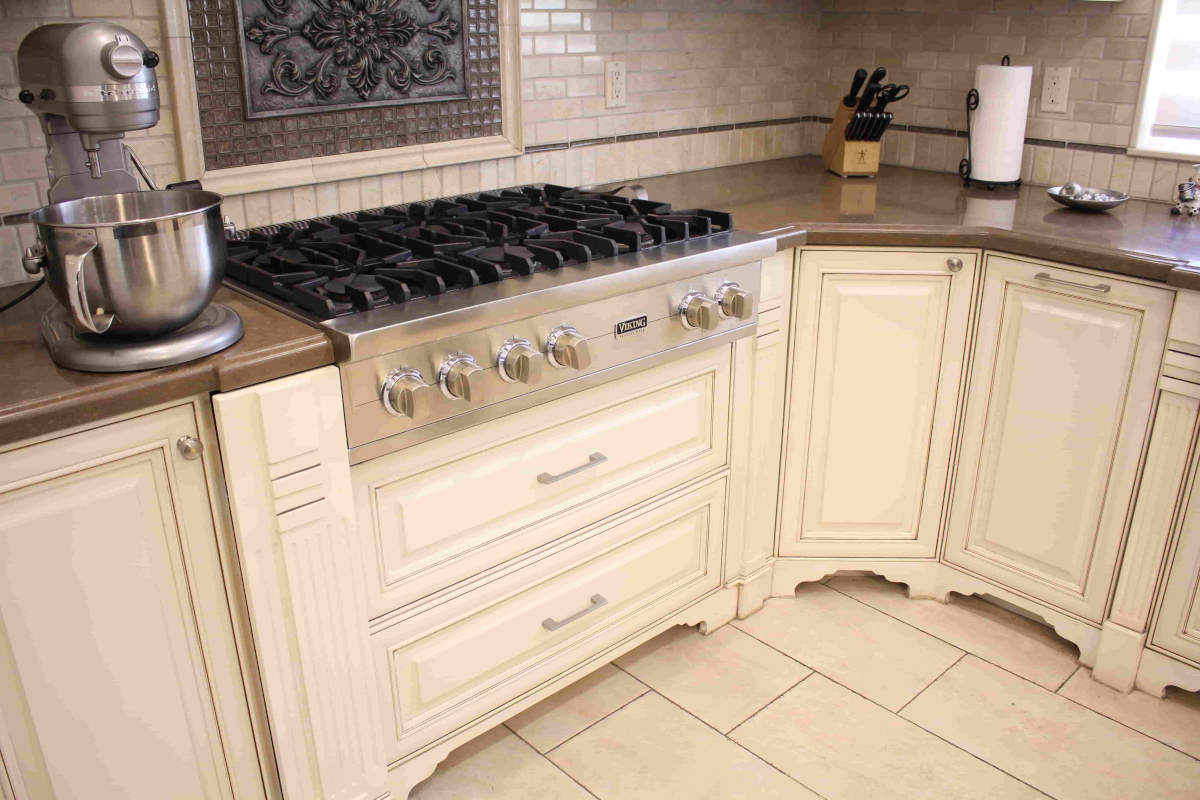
x: 216, y: 328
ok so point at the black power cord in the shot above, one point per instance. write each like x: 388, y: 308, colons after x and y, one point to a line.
x: 23, y: 296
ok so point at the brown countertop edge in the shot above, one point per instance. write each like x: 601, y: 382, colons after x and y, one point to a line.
x: 41, y: 398
x: 1140, y: 265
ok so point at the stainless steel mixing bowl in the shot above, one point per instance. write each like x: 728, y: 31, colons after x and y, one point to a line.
x: 136, y: 264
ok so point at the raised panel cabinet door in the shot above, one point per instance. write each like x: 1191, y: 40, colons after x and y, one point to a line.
x: 880, y: 338
x: 1064, y: 374
x: 104, y: 693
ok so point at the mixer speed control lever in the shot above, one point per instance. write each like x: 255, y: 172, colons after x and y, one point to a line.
x: 734, y: 301
x: 567, y: 347
x: 518, y: 362
x: 697, y: 311
x: 461, y: 378
x: 406, y: 394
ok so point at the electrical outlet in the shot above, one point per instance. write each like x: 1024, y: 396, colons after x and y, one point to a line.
x: 614, y: 84
x: 1056, y: 85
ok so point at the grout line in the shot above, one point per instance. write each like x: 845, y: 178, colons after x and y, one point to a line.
x: 1003, y: 668
x: 640, y: 695
x: 736, y: 743
x: 551, y: 763
x: 961, y: 656
x: 952, y: 644
x: 911, y: 722
x: 763, y: 707
x: 1067, y: 679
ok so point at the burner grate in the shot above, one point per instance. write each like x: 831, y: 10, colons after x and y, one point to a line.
x: 357, y: 261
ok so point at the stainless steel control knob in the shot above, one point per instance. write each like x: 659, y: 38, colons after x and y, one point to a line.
x: 518, y: 362
x: 567, y: 347
x: 406, y: 394
x: 734, y: 301
x: 697, y: 311
x: 462, y: 378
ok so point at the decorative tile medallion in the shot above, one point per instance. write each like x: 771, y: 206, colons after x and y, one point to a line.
x: 302, y: 55
x: 281, y: 80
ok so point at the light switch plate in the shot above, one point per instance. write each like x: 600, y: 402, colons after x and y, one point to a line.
x: 1056, y: 85
x: 614, y: 84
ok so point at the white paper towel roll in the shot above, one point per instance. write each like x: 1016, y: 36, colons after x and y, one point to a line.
x: 998, y: 124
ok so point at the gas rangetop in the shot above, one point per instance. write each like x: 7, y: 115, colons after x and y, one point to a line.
x: 377, y: 279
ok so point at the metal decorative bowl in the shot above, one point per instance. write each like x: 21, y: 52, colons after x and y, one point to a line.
x: 1088, y: 199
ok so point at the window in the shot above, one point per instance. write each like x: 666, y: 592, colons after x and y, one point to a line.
x: 1169, y: 113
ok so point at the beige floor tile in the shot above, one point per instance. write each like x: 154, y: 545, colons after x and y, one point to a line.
x: 1048, y: 741
x: 1175, y: 720
x: 568, y: 711
x: 844, y: 748
x: 857, y: 646
x: 497, y: 765
x: 722, y: 678
x: 1020, y: 645
x: 652, y: 749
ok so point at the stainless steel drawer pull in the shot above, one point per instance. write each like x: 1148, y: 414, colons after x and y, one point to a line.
x: 1091, y: 287
x: 552, y: 624
x: 593, y: 460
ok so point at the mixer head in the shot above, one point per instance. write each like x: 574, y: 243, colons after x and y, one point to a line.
x: 96, y: 80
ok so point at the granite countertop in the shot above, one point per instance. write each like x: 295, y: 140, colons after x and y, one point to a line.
x: 799, y: 202
x: 39, y: 397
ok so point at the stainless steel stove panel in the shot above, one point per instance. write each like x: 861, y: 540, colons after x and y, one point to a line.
x: 368, y: 421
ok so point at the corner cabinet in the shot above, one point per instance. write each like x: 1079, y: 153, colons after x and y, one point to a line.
x: 119, y: 662
x: 1064, y: 376
x: 879, y: 344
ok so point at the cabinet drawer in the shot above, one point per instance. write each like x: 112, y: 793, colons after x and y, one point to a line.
x: 443, y: 511
x: 471, y: 655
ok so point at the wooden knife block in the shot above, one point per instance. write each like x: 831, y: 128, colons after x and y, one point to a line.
x: 848, y: 159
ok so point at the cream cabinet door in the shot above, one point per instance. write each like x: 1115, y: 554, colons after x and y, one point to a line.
x: 1065, y: 368
x: 879, y: 343
x: 111, y: 603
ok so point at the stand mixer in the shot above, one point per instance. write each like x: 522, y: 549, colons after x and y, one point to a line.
x: 133, y: 270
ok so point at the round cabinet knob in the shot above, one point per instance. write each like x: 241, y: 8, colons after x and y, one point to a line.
x: 122, y: 59
x: 406, y: 394
x: 734, y: 301
x: 189, y: 447
x: 462, y: 378
x: 697, y: 311
x: 567, y: 347
x: 954, y: 263
x: 518, y: 362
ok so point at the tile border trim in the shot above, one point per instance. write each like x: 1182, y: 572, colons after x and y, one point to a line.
x: 764, y: 123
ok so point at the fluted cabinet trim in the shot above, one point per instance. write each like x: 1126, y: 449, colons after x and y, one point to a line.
x: 1158, y: 497
x: 284, y: 451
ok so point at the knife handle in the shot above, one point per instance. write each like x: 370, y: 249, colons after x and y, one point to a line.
x: 878, y: 75
x: 860, y: 77
x: 868, y: 95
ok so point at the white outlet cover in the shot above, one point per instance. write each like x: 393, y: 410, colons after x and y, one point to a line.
x: 1056, y: 87
x: 614, y: 84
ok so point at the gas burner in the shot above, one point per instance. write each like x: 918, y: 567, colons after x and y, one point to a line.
x: 358, y: 261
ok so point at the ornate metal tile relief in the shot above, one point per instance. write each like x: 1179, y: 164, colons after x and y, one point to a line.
x: 326, y: 54
x: 281, y: 80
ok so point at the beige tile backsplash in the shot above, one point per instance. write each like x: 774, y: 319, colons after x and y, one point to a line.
x: 692, y: 63
x: 935, y: 46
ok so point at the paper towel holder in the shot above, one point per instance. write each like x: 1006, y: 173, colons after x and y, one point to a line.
x: 964, y: 166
